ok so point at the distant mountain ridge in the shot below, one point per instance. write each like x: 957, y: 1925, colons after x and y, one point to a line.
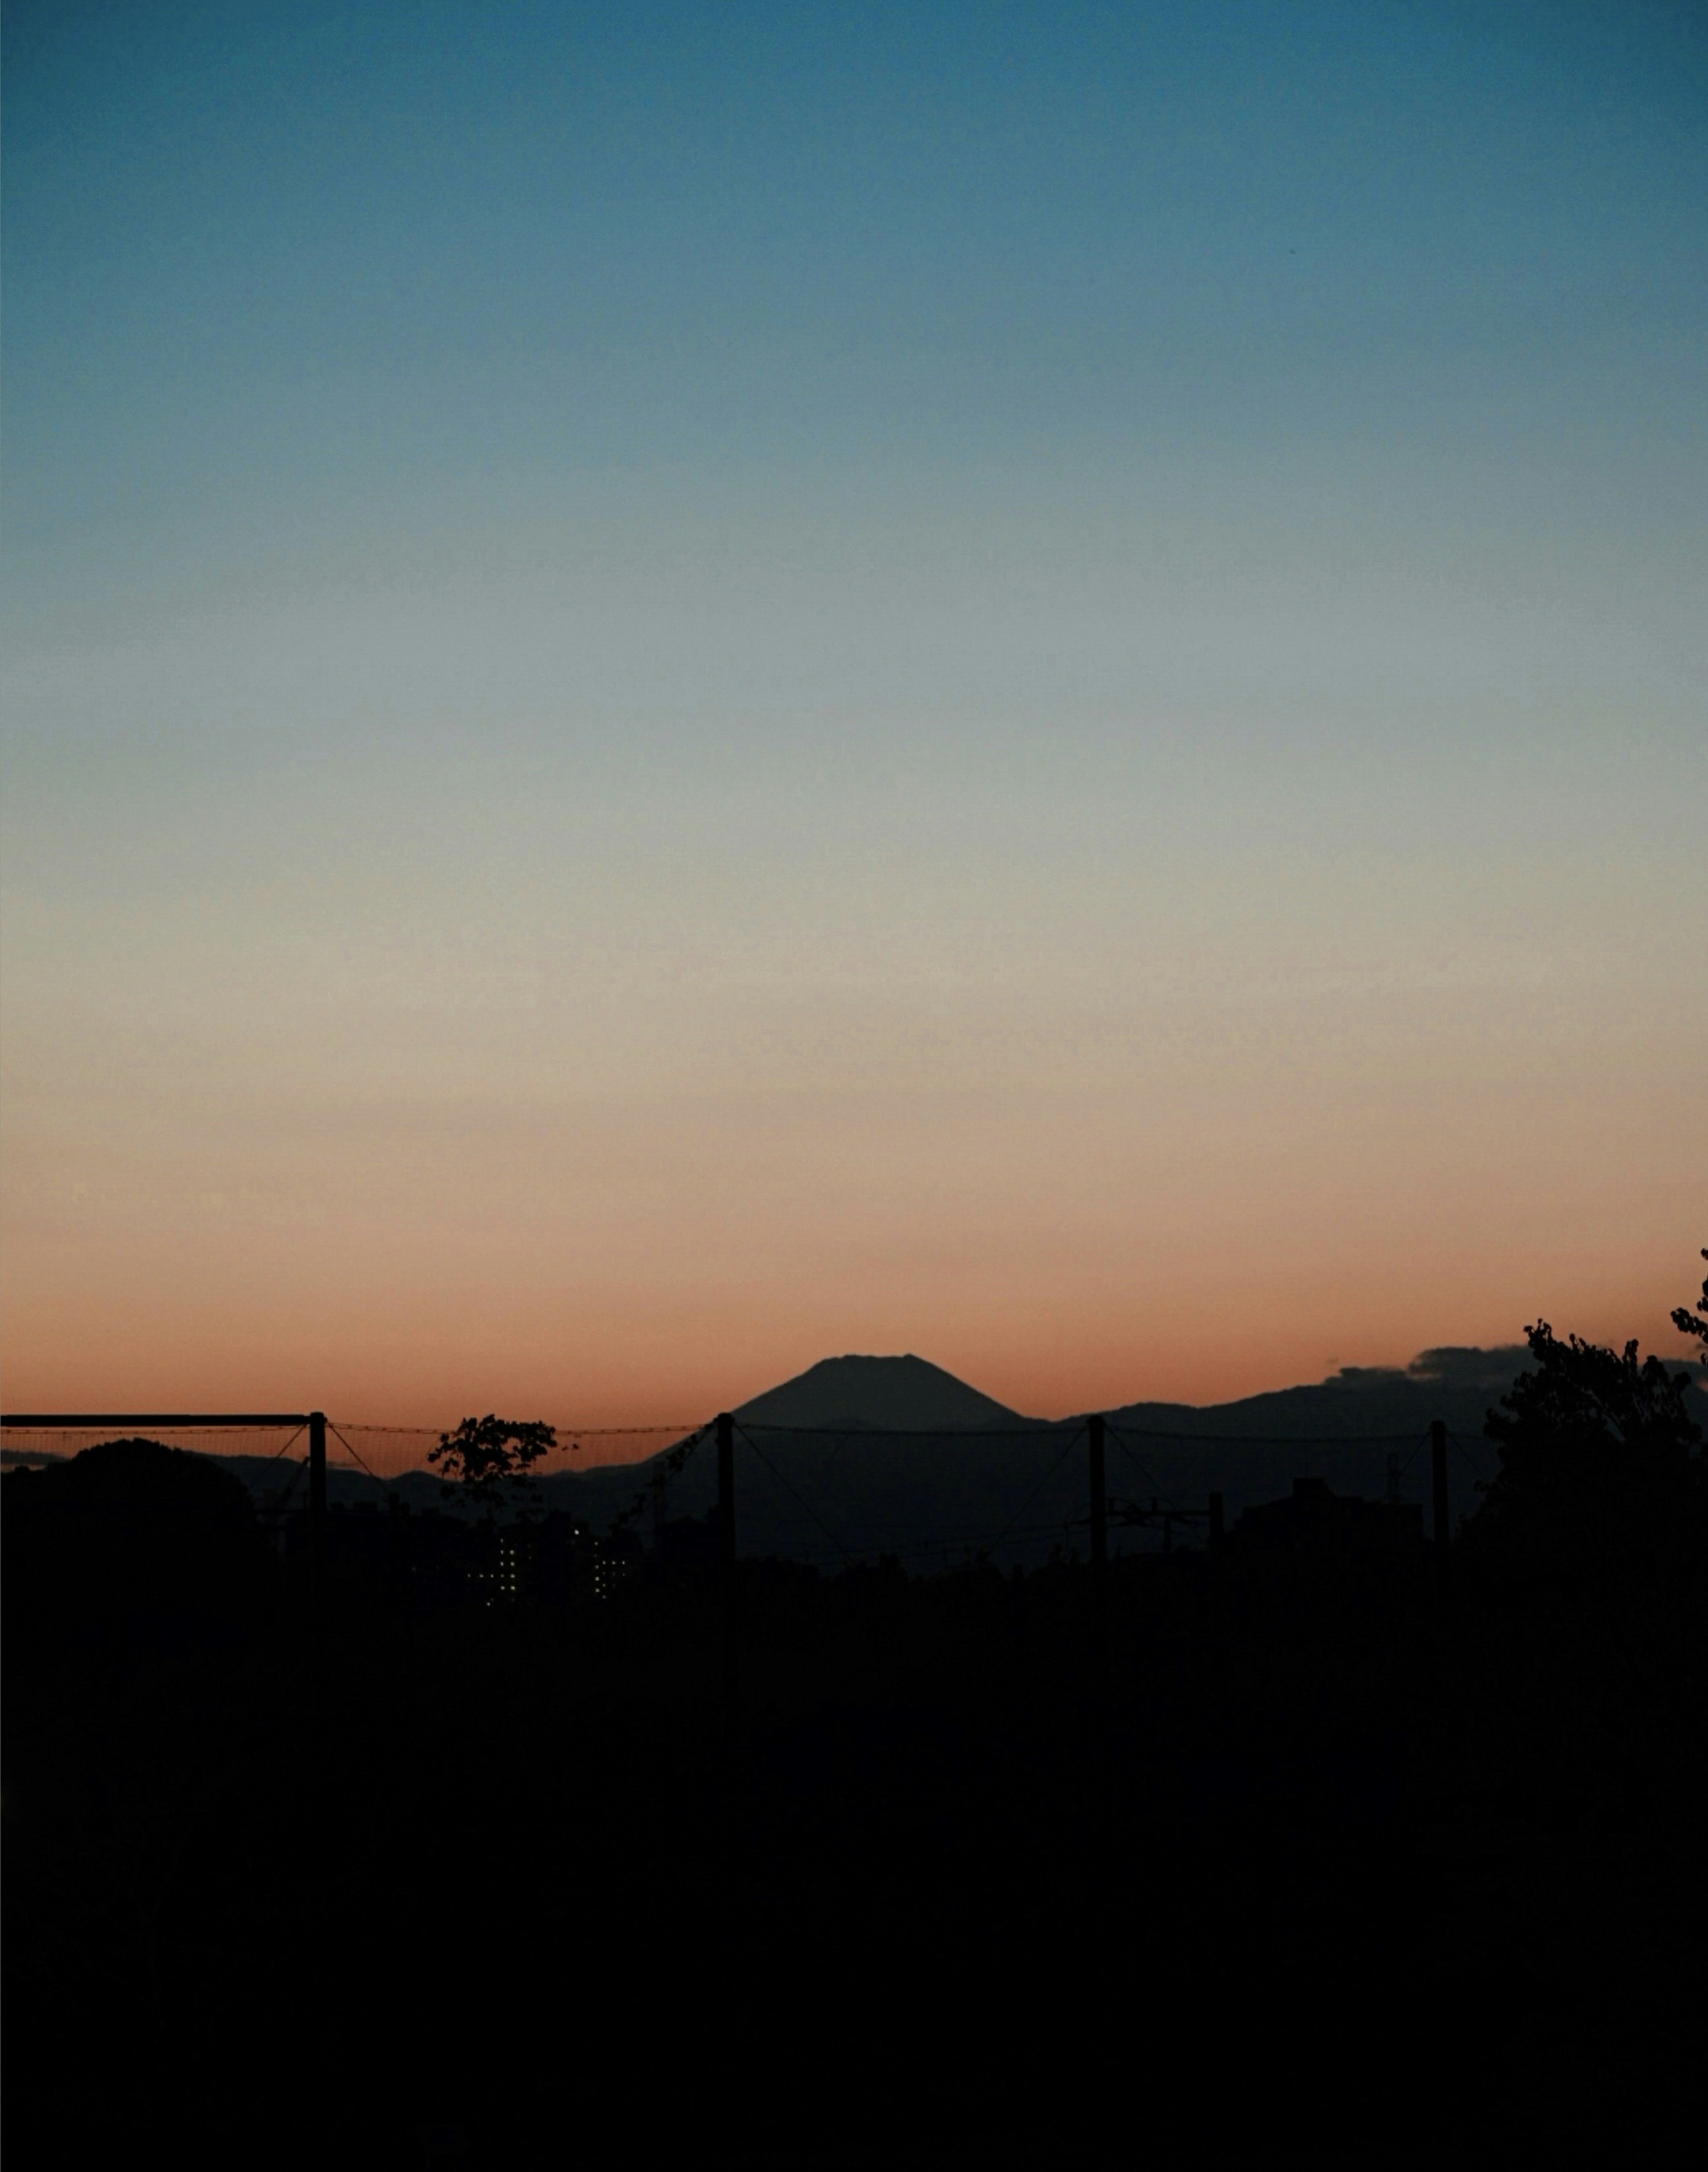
x: 865, y: 1454
x: 859, y: 1455
x: 911, y: 1394
x: 1456, y: 1385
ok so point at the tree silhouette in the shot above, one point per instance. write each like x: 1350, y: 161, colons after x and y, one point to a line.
x: 1600, y: 1475
x: 1687, y: 1322
x: 488, y: 1461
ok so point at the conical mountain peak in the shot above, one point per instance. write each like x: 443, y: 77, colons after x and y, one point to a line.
x: 877, y: 1393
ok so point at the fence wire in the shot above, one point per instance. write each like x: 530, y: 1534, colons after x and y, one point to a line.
x: 840, y: 1494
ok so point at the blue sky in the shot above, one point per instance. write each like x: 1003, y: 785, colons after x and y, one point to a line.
x: 352, y: 264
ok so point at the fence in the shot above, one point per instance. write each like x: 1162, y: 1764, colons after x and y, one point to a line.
x: 834, y: 1497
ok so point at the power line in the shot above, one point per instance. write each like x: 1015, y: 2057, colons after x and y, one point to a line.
x: 1476, y: 1469
x: 1272, y: 1439
x: 1148, y: 1477
x: 674, y: 1462
x: 1416, y: 1450
x: 856, y: 1432
x: 576, y: 1433
x: 374, y: 1475
x: 1002, y: 1535
x: 789, y: 1489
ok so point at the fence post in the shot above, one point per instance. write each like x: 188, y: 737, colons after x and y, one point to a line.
x: 1100, y: 1496
x: 1099, y: 1545
x: 1099, y: 1629
x: 317, y: 1502
x: 726, y: 1555
x: 1437, y: 1461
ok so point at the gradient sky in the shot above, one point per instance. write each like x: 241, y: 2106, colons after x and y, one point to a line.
x: 691, y: 686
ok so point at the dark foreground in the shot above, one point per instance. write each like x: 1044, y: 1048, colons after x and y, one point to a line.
x: 1341, y: 1864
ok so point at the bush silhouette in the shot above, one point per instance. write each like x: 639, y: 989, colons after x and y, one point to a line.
x: 132, y: 1544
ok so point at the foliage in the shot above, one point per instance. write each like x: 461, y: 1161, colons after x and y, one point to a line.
x: 1600, y: 1475
x: 488, y: 1461
x: 661, y: 1469
x: 1687, y: 1322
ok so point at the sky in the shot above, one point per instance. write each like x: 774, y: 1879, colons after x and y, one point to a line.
x: 689, y: 687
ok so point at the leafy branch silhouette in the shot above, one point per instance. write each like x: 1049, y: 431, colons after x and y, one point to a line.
x: 488, y: 1461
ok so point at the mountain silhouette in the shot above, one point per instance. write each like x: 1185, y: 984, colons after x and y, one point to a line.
x: 860, y: 1454
x: 1456, y: 1385
x: 862, y: 1395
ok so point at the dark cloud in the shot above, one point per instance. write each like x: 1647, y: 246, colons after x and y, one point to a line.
x: 1463, y: 1366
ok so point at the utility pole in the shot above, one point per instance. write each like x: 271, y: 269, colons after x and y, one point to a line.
x: 1100, y: 1547
x: 1437, y: 1461
x: 317, y: 1504
x: 1094, y: 1428
x: 726, y: 1557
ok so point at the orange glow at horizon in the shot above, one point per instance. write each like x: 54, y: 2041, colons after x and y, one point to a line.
x: 1215, y: 1293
